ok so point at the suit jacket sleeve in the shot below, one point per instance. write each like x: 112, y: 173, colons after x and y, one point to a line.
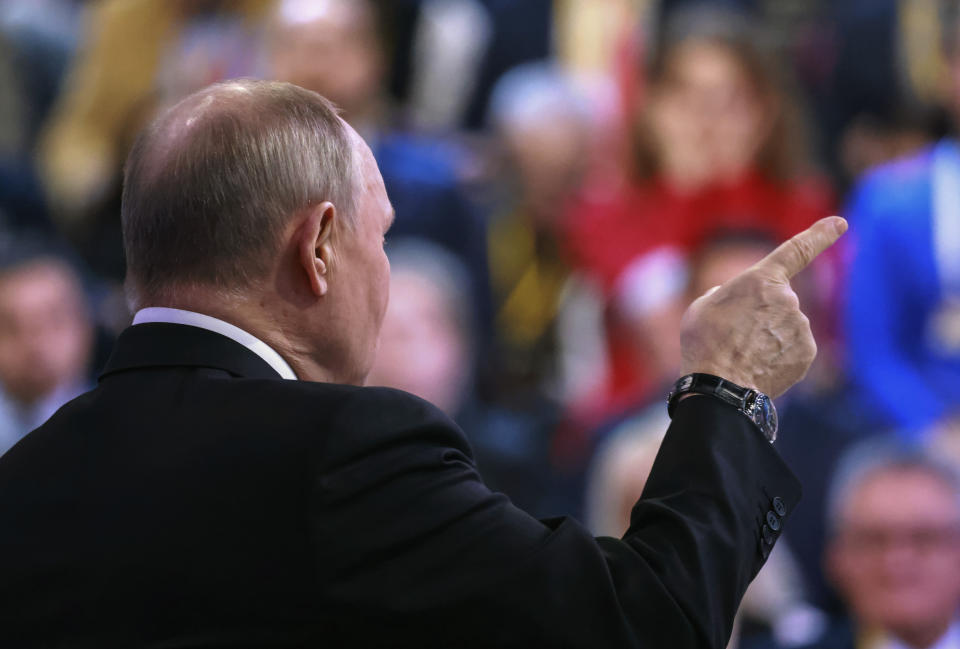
x: 409, y: 538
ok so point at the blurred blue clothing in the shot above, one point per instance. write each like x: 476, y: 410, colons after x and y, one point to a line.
x: 42, y: 36
x: 22, y: 203
x: 16, y: 419
x: 421, y: 178
x: 843, y: 634
x: 840, y: 634
x: 512, y: 449
x: 903, y: 319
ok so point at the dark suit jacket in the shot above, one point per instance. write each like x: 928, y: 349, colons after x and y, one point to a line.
x: 193, y: 499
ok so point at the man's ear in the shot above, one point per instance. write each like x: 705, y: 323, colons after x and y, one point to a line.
x: 315, y: 245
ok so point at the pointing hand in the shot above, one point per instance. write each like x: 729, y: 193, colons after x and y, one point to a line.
x: 750, y: 330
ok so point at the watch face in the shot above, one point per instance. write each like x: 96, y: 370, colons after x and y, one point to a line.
x: 766, y: 416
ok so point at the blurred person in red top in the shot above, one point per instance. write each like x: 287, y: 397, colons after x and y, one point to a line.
x: 716, y: 145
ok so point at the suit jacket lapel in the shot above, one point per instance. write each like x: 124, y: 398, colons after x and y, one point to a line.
x: 161, y: 344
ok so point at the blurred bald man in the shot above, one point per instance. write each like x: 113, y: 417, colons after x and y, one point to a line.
x: 230, y: 483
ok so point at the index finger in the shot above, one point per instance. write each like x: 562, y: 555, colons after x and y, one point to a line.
x: 796, y: 253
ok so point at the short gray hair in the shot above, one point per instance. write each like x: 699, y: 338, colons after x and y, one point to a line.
x: 211, y: 183
x: 878, y: 456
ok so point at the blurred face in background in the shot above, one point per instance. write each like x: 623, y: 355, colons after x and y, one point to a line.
x: 722, y: 261
x: 657, y: 323
x: 330, y: 47
x: 422, y: 348
x: 550, y: 158
x: 706, y: 117
x: 896, y: 554
x: 45, y: 333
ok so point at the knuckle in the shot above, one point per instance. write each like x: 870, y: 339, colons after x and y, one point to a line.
x: 779, y: 296
x: 807, y: 343
x: 784, y: 297
x: 705, y: 298
x: 791, y: 300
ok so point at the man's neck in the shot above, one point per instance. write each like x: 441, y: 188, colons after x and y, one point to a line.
x: 299, y: 356
x: 219, y: 326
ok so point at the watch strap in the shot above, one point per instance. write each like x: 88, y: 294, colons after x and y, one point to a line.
x: 710, y: 384
x: 755, y: 405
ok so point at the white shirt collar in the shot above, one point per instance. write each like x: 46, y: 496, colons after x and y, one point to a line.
x: 193, y: 319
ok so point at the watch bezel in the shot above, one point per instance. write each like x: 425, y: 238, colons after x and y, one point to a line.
x: 754, y: 402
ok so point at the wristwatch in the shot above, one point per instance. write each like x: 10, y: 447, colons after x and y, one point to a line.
x: 757, y: 406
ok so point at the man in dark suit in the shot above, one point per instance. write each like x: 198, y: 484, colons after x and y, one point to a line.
x: 196, y: 499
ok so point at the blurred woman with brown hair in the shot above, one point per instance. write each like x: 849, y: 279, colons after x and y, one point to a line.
x: 717, y: 145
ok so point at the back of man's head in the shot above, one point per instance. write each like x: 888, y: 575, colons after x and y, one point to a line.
x: 210, y: 185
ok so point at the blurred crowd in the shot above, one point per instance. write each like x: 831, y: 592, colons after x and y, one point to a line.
x: 568, y: 175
